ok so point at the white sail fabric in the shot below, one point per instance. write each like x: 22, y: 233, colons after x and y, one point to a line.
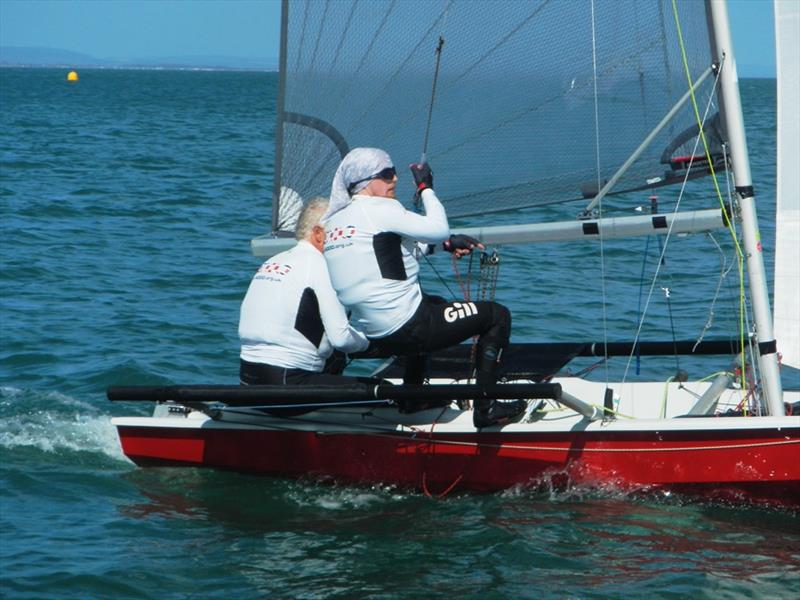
x: 787, y: 218
x: 536, y: 102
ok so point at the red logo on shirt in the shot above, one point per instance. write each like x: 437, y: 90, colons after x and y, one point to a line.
x: 270, y: 268
x: 340, y: 233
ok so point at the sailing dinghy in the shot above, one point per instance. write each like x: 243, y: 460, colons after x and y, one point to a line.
x: 532, y: 107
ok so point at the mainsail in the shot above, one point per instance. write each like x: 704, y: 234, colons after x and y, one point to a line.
x: 536, y: 102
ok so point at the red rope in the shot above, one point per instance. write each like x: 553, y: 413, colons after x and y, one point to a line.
x: 450, y: 487
x: 465, y: 290
x: 442, y: 494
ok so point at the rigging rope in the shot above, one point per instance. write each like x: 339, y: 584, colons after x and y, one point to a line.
x: 743, y: 313
x: 439, y: 275
x: 639, y: 315
x: 487, y: 287
x: 466, y: 289
x: 668, y: 235
x: 489, y: 270
x: 599, y: 186
x: 432, y: 450
x: 722, y: 276
x: 667, y: 294
x: 702, y: 137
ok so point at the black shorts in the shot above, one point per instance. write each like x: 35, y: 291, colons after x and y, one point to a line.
x: 263, y: 374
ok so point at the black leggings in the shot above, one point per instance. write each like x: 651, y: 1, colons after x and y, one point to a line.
x: 438, y: 324
x: 264, y: 374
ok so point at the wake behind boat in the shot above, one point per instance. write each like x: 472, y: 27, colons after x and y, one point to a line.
x: 645, y: 95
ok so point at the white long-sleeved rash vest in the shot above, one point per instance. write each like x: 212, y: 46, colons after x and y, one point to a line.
x: 291, y: 317
x: 370, y: 250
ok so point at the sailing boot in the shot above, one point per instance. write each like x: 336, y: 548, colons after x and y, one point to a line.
x: 496, y: 412
x: 416, y: 371
x: 488, y: 412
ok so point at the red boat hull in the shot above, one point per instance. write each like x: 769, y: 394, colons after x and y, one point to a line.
x: 743, y: 465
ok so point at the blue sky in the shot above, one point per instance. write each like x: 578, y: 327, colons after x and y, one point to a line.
x: 247, y: 28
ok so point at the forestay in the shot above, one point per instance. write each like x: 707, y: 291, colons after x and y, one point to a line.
x: 536, y: 102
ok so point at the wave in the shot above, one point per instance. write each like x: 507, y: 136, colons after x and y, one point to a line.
x: 332, y: 497
x: 52, y: 422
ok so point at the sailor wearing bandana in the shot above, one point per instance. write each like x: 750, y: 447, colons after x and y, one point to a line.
x: 371, y: 248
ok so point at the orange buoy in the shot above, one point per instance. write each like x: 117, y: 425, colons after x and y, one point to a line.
x: 72, y: 76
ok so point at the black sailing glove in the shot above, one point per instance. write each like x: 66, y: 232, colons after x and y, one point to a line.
x: 423, y: 176
x: 460, y: 243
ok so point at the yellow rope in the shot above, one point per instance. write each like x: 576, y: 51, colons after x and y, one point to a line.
x: 731, y: 228
x: 713, y: 375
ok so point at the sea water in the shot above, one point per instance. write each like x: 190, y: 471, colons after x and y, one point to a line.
x: 128, y: 203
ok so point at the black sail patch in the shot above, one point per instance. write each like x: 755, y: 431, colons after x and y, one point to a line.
x: 390, y: 257
x: 308, y: 320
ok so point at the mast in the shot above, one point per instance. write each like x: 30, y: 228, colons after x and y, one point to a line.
x: 731, y: 110
x: 276, y: 178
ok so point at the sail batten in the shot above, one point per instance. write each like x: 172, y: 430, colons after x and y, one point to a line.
x: 515, y: 99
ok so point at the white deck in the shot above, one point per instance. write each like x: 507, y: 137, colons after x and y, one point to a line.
x: 639, y: 407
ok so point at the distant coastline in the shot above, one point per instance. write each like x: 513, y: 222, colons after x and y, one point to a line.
x: 70, y: 66
x: 56, y: 58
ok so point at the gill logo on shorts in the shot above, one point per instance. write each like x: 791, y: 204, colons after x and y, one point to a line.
x: 459, y: 311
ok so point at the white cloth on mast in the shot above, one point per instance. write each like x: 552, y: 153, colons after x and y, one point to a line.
x: 357, y: 165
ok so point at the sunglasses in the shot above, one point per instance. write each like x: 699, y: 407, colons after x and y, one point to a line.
x: 386, y: 174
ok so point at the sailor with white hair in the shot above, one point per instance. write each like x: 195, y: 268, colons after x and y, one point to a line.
x: 291, y: 319
x: 371, y: 248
